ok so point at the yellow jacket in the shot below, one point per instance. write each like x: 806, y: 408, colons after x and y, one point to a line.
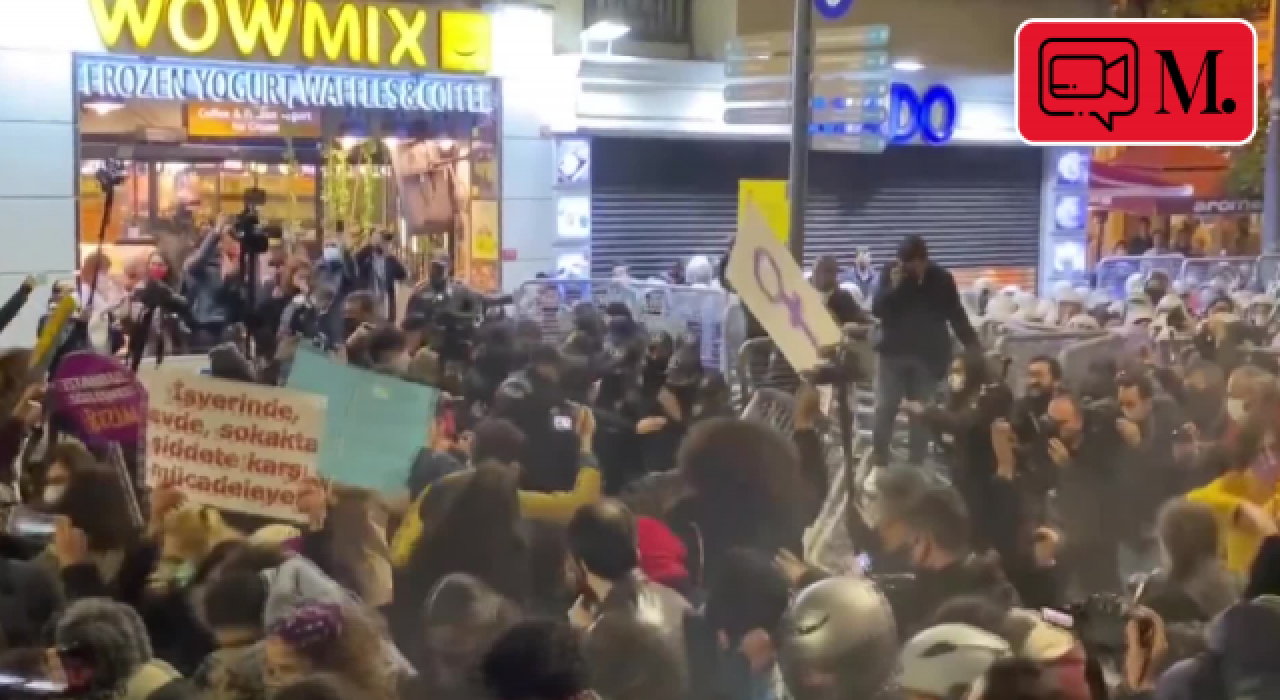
x: 557, y: 507
x: 1224, y: 495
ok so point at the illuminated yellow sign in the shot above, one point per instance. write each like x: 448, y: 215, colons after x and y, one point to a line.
x: 366, y: 35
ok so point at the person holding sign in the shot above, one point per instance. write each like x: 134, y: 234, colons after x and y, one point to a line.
x: 916, y: 303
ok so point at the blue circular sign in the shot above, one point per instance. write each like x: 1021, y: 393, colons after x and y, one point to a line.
x: 832, y: 9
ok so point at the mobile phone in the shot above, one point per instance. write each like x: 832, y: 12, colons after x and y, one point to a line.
x: 864, y: 562
x: 562, y: 422
x: 22, y: 521
x: 1058, y: 618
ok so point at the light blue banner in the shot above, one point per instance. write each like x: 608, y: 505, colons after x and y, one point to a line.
x: 375, y: 426
x: 289, y: 87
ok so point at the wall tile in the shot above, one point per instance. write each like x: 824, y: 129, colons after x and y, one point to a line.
x: 39, y: 159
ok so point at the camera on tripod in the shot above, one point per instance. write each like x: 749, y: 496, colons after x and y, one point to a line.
x: 252, y: 240
x: 110, y: 174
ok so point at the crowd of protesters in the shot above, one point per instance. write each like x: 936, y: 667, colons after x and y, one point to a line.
x: 595, y: 520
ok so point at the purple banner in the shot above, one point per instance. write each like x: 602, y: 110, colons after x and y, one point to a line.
x: 101, y: 398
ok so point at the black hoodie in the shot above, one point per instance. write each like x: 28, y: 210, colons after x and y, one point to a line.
x: 914, y: 317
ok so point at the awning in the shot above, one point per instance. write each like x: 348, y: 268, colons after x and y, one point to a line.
x: 1108, y: 182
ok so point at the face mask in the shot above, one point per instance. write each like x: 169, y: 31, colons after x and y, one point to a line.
x: 54, y: 493
x: 158, y: 272
x: 332, y: 254
x: 956, y: 382
x: 1236, y: 409
x: 183, y: 574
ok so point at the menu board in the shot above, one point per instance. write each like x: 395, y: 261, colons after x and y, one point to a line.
x: 248, y: 122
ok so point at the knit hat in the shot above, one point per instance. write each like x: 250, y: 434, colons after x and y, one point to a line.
x: 662, y: 554
x: 310, y: 625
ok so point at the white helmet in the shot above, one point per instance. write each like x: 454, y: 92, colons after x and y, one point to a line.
x: 1082, y: 322
x: 1134, y: 284
x: 1009, y: 290
x: 1046, y: 309
x: 1116, y: 308
x: 1059, y: 288
x: 1001, y: 308
x: 1243, y: 299
x: 984, y: 284
x: 1028, y: 315
x: 1097, y: 298
x: 947, y: 660
x: 1069, y: 295
x: 1025, y: 300
x: 1266, y: 301
x: 1169, y: 303
x: 1180, y: 288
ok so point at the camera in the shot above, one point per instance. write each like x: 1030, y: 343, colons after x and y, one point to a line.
x: 110, y: 175
x: 247, y: 231
x: 305, y: 323
x: 1099, y: 621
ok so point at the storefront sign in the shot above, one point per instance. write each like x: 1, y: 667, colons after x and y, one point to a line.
x: 277, y: 86
x: 665, y: 21
x: 219, y: 121
x: 359, y: 34
x: 931, y: 116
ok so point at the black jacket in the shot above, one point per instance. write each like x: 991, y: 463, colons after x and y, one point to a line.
x: 395, y: 273
x: 915, y: 603
x: 914, y: 317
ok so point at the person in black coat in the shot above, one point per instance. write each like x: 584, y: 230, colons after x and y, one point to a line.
x: 917, y: 302
x: 379, y: 269
x: 843, y: 307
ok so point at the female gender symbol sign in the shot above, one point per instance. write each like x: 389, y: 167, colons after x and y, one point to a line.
x: 777, y: 295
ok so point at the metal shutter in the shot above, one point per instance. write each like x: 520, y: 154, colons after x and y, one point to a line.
x: 655, y: 201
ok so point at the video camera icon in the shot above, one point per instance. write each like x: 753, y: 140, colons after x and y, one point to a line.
x: 1096, y: 77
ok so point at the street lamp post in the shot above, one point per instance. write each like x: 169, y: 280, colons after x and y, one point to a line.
x: 801, y: 67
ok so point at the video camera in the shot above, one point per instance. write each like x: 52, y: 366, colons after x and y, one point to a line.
x: 246, y: 231
x: 110, y: 175
x: 1099, y: 622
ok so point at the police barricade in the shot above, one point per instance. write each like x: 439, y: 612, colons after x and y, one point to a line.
x: 1266, y: 274
x: 678, y: 310
x: 1112, y: 272
x: 1119, y: 346
x: 1018, y: 349
x: 1205, y: 276
x: 760, y: 364
x: 734, y: 330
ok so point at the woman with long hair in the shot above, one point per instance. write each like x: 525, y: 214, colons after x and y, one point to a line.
x: 478, y: 534
x: 747, y: 490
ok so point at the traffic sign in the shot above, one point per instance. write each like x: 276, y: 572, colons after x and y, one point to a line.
x: 832, y: 9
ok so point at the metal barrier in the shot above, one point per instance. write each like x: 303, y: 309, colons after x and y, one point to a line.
x: 1112, y: 272
x: 1080, y: 357
x: 772, y: 406
x: 760, y: 365
x: 1205, y: 277
x: 678, y: 310
x: 1266, y: 275
x: 1019, y: 348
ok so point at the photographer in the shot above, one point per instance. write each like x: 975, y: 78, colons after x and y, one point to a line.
x: 1083, y: 448
x: 380, y: 269
x: 1160, y: 449
x: 208, y: 280
x: 1043, y: 382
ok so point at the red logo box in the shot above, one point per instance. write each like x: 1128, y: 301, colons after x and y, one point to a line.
x: 1136, y: 82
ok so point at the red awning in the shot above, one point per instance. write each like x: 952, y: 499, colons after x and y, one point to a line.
x: 1108, y: 182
